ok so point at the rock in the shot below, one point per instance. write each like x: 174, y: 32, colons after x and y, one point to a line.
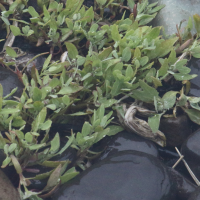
x: 125, y: 141
x: 9, y: 171
x: 37, y: 62
x: 174, y: 12
x: 129, y: 175
x: 9, y: 81
x: 176, y: 130
x: 195, y: 195
x: 191, y: 151
x: 7, y: 191
x: 184, y: 187
x: 194, y: 65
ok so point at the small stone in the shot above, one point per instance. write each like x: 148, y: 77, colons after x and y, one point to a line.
x: 174, y: 12
x: 184, y: 187
x: 195, y: 195
x: 37, y: 62
x: 129, y: 175
x: 194, y: 65
x: 125, y: 141
x: 9, y: 81
x: 191, y: 151
x: 7, y: 191
x: 176, y: 130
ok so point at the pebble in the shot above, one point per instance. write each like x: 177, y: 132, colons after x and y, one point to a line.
x: 125, y: 141
x: 194, y: 65
x: 9, y: 81
x: 176, y: 130
x: 174, y: 12
x: 7, y: 191
x: 191, y: 151
x: 129, y: 175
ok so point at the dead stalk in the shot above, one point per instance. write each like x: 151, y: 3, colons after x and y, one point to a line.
x: 187, y: 166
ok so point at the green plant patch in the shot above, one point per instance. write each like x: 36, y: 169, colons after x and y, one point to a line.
x: 103, y: 64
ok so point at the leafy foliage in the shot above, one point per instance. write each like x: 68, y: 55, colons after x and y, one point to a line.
x: 103, y: 62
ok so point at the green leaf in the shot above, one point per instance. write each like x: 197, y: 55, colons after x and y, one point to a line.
x: 156, y: 82
x: 115, y: 33
x: 54, y: 178
x: 54, y: 82
x: 172, y: 57
x: 37, y: 94
x: 1, y: 90
x: 163, y: 70
x: 116, y: 87
x: 169, y: 99
x: 66, y: 100
x: 105, y: 53
x: 51, y: 106
x: 145, y: 18
x: 36, y: 146
x: 148, y: 93
x: 39, y: 119
x: 47, y: 61
x: 129, y: 73
x: 45, y: 125
x: 154, y: 122
x: 69, y: 142
x: 1, y: 102
x: 6, y: 162
x: 114, y: 130
x: 78, y: 114
x: 156, y: 9
x: 16, y: 164
x: 100, y: 135
x: 86, y: 129
x: 183, y: 77
x: 101, y: 2
x: 180, y: 63
x: 29, y: 137
x: 71, y: 173
x: 69, y: 23
x: 86, y: 76
x: 18, y: 122
x: 11, y: 52
x: 55, y: 143
x: 9, y: 110
x: 162, y: 48
x: 89, y: 14
x: 11, y: 93
x: 15, y: 30
x: 46, y: 14
x: 190, y: 24
x: 131, y: 4
x: 196, y: 52
x: 137, y: 53
x: 153, y: 34
x: 70, y: 89
x: 183, y: 70
x: 193, y: 114
x: 32, y: 12
x: 126, y: 54
x: 80, y: 60
x: 196, y: 18
x: 72, y: 50
x: 12, y: 147
x: 6, y: 21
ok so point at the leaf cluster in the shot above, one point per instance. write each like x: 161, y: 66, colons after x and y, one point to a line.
x: 119, y: 60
